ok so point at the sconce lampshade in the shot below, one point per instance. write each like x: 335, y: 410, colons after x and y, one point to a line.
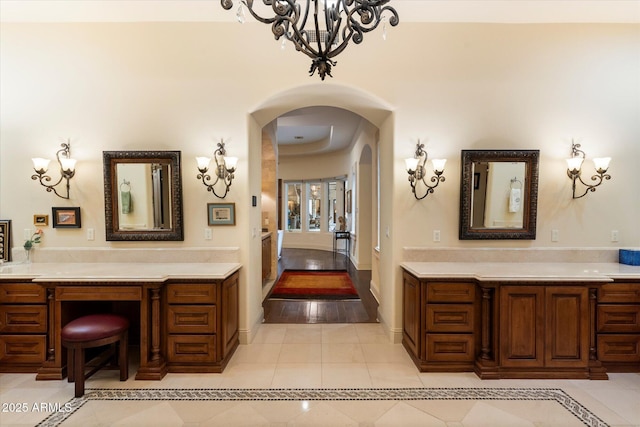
x: 203, y: 162
x: 438, y: 165
x: 602, y: 163
x: 68, y: 165
x: 40, y: 164
x: 231, y: 162
x: 412, y: 163
x: 574, y: 163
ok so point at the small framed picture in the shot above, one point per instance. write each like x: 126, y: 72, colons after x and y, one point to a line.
x: 5, y: 240
x: 66, y: 217
x: 40, y: 220
x: 221, y: 213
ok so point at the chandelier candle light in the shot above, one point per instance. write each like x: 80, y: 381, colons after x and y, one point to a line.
x: 329, y: 29
x: 417, y: 171
x: 225, y: 168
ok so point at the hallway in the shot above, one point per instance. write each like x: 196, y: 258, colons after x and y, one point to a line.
x: 361, y: 310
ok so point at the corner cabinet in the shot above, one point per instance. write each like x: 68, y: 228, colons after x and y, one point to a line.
x: 619, y: 326
x: 439, y: 324
x: 517, y: 329
x: 23, y: 326
x: 202, y: 324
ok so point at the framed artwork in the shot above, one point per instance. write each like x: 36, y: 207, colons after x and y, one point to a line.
x: 66, y: 217
x: 40, y: 220
x: 5, y: 240
x: 348, y: 201
x: 221, y: 213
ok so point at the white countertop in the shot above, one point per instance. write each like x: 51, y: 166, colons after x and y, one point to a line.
x: 116, y: 272
x: 538, y: 271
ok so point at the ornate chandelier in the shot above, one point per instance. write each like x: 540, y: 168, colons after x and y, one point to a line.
x: 321, y: 39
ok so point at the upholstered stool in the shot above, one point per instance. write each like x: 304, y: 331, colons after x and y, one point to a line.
x: 91, y: 331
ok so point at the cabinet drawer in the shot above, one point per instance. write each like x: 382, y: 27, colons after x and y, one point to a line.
x: 450, y: 292
x: 191, y: 348
x: 83, y: 292
x: 178, y: 293
x: 22, y: 349
x: 620, y: 292
x: 22, y: 293
x: 618, y: 318
x: 191, y: 319
x: 449, y: 318
x: 23, y: 319
x: 450, y: 347
x: 619, y: 348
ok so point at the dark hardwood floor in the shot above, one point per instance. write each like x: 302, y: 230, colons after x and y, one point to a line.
x: 363, y: 310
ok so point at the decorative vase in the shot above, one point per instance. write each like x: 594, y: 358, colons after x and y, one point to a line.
x: 27, y: 253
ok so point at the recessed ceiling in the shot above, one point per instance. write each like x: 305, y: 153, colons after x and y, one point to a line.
x: 315, y: 130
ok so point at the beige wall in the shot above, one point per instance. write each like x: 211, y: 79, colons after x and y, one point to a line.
x: 183, y: 86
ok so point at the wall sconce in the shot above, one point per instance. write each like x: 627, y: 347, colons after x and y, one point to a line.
x: 574, y: 170
x: 225, y: 167
x: 417, y: 171
x: 67, y: 169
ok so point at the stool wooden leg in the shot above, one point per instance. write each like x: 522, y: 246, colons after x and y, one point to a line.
x: 123, y: 356
x: 78, y: 367
x: 70, y: 371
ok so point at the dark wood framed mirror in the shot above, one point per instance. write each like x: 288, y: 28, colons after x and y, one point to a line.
x: 499, y: 194
x: 143, y: 195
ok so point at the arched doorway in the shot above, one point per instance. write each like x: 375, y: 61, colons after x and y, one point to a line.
x: 362, y: 169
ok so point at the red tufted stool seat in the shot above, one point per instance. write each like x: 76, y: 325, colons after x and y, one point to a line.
x: 91, y: 331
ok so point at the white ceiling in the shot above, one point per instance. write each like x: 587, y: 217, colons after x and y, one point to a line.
x: 514, y: 11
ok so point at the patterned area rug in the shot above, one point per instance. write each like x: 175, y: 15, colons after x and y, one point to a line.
x: 379, y: 394
x: 305, y: 284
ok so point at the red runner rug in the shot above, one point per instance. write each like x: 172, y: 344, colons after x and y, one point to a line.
x: 310, y: 284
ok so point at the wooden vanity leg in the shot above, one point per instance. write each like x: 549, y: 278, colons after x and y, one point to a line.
x: 153, y: 365
x: 485, y: 366
x: 596, y: 370
x: 155, y: 325
x: 52, y: 368
x: 485, y: 352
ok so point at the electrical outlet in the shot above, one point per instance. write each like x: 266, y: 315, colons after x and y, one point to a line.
x: 91, y: 234
x: 555, y: 235
x: 436, y: 235
x: 207, y: 234
x: 615, y: 236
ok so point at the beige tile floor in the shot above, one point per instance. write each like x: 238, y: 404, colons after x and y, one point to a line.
x: 328, y: 356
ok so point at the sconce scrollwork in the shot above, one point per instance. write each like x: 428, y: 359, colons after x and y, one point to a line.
x: 67, y: 170
x: 417, y: 172
x: 574, y: 171
x: 224, y: 171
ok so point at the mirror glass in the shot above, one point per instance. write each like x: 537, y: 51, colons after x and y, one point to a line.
x: 143, y: 195
x: 498, y: 197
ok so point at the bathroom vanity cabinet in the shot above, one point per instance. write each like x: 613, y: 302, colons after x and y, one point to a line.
x: 571, y: 327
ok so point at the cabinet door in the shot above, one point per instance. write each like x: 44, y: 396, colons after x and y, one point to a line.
x: 522, y: 326
x: 567, y: 326
x: 411, y: 314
